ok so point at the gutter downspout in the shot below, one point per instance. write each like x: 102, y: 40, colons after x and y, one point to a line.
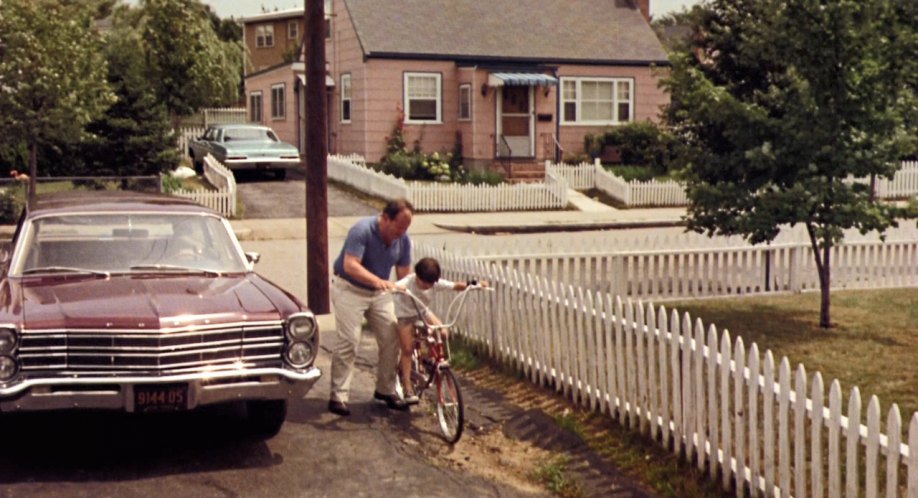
x: 557, y: 116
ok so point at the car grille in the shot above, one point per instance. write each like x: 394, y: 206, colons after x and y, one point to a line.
x: 151, y: 352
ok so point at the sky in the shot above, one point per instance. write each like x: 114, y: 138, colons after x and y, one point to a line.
x: 245, y: 8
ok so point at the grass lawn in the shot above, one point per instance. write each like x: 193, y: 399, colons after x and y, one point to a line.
x: 872, y: 344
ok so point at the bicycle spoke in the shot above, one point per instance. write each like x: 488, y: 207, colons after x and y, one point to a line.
x: 450, y: 412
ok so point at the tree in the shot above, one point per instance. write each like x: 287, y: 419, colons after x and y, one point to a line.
x: 52, y: 75
x: 780, y: 103
x: 134, y: 136
x: 190, y: 65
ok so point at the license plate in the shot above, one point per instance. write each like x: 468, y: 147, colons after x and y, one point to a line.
x: 160, y: 397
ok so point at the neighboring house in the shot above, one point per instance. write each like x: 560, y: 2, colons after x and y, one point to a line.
x: 520, y: 80
x: 273, y: 38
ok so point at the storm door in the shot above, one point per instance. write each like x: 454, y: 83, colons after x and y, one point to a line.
x: 515, y: 121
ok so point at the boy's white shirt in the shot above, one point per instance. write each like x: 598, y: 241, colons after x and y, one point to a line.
x: 404, y: 305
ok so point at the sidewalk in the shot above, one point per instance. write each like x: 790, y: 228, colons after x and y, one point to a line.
x: 591, y: 216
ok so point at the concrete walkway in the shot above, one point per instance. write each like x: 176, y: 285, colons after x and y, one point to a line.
x: 589, y: 215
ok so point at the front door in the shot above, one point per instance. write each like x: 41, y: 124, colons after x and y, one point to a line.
x: 514, y: 121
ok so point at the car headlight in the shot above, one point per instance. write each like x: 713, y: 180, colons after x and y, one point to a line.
x: 300, y: 354
x: 301, y: 327
x: 8, y: 368
x: 8, y: 341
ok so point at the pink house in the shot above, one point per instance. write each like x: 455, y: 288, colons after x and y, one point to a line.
x: 516, y: 82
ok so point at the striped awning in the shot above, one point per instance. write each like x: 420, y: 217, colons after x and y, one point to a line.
x: 521, y: 79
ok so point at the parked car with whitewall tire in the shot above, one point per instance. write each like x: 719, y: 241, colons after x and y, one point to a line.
x: 145, y: 303
x: 244, y: 147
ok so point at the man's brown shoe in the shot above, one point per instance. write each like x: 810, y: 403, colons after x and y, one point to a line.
x: 339, y: 408
x: 392, y: 401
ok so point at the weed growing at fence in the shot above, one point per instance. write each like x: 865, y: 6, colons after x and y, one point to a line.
x: 871, y: 344
x: 553, y: 475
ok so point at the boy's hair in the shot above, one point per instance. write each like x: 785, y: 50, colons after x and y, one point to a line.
x: 428, y: 270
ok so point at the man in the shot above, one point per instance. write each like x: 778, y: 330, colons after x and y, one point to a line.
x: 373, y: 246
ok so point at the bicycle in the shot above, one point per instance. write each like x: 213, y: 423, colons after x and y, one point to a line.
x: 430, y: 363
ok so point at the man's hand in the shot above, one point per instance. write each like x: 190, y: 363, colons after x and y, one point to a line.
x: 385, y: 285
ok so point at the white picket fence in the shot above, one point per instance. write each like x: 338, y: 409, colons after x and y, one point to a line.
x: 184, y: 136
x: 447, y: 197
x: 904, y: 184
x: 757, y: 426
x: 687, y: 273
x: 669, y: 193
x: 223, y: 199
x: 632, y: 193
x: 225, y: 115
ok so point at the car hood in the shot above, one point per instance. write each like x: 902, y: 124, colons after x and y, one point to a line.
x: 143, y: 302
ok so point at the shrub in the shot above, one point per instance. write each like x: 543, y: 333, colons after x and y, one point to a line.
x: 416, y: 165
x: 641, y: 144
x: 484, y: 178
x: 171, y: 184
x: 10, y: 205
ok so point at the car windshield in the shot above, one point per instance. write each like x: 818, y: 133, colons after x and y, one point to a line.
x: 239, y: 134
x: 127, y: 243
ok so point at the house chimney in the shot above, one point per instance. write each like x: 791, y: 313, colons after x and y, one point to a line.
x: 644, y: 5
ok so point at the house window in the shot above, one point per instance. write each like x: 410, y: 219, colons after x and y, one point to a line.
x: 345, y: 98
x: 264, y: 35
x: 293, y: 29
x: 255, y: 107
x: 465, y: 102
x: 422, y: 98
x: 278, y: 105
x: 328, y: 16
x: 597, y: 100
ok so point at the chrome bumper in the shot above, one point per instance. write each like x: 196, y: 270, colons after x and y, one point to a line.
x: 255, y: 163
x: 117, y: 393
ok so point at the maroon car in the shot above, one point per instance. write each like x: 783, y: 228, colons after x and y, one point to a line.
x: 145, y: 303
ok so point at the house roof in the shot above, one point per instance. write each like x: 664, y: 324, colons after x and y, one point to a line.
x: 545, y: 31
x: 273, y: 16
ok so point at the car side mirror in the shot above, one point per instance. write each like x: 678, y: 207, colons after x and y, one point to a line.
x: 252, y: 257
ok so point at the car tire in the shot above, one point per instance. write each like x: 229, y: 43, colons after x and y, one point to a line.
x: 266, y: 417
x: 280, y: 174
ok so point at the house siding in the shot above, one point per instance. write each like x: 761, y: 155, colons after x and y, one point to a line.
x: 260, y: 58
x: 286, y: 127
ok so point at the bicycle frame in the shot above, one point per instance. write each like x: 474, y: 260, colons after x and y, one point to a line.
x: 452, y: 316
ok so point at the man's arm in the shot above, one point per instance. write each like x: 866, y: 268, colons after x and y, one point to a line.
x: 402, y: 271
x: 357, y: 271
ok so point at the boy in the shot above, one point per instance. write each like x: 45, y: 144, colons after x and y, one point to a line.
x: 422, y: 283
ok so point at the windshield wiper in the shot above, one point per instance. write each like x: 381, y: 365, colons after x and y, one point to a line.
x: 65, y: 269
x: 174, y: 268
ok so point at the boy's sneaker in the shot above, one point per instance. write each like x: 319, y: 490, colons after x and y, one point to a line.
x: 412, y: 399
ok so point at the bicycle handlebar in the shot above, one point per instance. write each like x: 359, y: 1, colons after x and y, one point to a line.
x: 420, y: 307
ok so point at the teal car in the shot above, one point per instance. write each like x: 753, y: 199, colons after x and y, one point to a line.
x: 244, y: 147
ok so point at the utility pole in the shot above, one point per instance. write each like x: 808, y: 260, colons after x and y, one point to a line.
x: 315, y: 124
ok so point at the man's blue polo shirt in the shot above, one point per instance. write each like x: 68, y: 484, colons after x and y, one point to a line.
x: 365, y: 242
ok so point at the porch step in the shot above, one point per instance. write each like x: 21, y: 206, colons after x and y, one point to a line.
x: 521, y: 170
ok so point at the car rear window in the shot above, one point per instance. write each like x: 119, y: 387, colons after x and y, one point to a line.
x: 239, y: 134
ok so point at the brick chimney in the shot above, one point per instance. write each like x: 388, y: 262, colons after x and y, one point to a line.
x: 644, y: 5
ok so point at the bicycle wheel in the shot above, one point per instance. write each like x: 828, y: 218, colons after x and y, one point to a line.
x: 450, y: 410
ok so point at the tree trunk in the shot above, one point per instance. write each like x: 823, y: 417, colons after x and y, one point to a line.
x: 824, y: 282
x: 823, y: 269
